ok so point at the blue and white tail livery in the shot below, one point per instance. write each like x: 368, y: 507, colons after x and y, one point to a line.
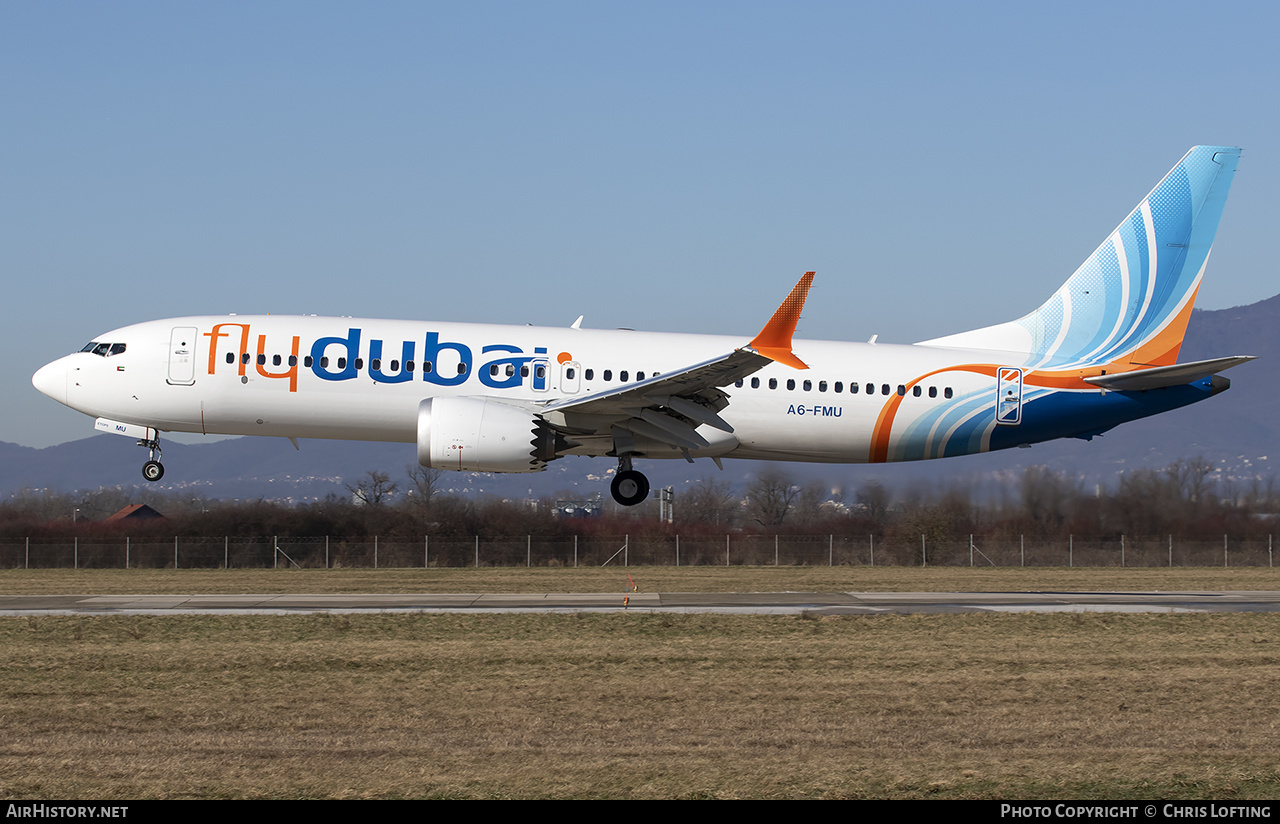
x: 1100, y: 352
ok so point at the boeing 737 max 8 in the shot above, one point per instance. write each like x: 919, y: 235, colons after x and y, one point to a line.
x: 1102, y: 351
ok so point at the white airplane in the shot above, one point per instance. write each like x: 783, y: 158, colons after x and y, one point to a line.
x: 1102, y: 351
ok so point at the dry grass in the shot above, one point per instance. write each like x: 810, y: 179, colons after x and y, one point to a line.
x: 649, y: 579
x: 641, y: 706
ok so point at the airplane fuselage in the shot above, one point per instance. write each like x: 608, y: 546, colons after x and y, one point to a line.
x: 362, y: 379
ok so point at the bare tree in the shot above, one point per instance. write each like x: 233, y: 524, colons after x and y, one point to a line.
x: 708, y: 501
x: 770, y: 497
x: 373, y: 489
x: 426, y: 485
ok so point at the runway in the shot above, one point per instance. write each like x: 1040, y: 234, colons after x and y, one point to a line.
x: 754, y: 603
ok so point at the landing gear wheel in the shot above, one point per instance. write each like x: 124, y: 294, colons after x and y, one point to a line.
x: 629, y: 487
x: 152, y: 470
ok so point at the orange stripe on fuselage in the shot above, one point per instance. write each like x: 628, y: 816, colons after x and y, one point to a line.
x: 884, y: 422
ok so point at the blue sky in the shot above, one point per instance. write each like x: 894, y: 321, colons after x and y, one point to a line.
x: 667, y: 166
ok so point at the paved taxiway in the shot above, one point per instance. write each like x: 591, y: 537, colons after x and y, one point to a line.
x: 763, y: 603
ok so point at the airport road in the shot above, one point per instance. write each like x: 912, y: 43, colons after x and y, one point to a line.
x: 761, y: 603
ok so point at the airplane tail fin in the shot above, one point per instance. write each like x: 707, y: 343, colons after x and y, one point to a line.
x: 1127, y: 306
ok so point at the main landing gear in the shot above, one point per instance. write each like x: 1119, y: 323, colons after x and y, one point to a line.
x: 629, y: 487
x: 152, y: 470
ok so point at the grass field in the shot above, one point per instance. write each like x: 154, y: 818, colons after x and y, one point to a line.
x: 640, y: 706
x: 649, y: 579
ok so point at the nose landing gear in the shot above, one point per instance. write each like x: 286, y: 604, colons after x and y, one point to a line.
x: 152, y: 470
x: 629, y: 487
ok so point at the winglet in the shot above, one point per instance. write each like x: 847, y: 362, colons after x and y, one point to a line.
x: 774, y: 340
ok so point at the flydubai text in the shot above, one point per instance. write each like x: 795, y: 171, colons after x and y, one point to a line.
x: 342, y: 357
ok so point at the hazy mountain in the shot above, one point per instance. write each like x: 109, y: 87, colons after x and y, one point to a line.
x: 1237, y: 431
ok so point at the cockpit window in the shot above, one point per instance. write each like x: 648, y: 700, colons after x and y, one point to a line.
x: 103, y: 349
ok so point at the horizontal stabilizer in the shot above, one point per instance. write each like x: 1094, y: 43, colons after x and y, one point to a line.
x: 1161, y: 376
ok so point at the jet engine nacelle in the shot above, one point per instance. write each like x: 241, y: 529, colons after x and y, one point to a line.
x: 482, y: 435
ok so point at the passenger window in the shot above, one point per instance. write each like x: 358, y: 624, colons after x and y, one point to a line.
x: 773, y: 383
x: 342, y: 363
x: 822, y: 386
x: 902, y: 391
x: 359, y: 363
x: 839, y: 387
x: 755, y: 383
x: 540, y: 372
x: 933, y: 391
x: 375, y: 363
x: 244, y: 358
x: 808, y: 386
x: 946, y: 393
x: 324, y: 361
x: 262, y: 360
x: 426, y: 366
x: 608, y: 374
x: 293, y: 360
x: 884, y: 389
x: 568, y: 373
x: 871, y: 389
x: 524, y: 371
x: 639, y: 376
x: 275, y: 360
x: 395, y: 365
x: 493, y: 371
x: 589, y: 374
x: 231, y: 358
x: 306, y: 361
x: 738, y: 383
x: 408, y: 366
x: 791, y: 384
x: 915, y: 391
x: 622, y: 376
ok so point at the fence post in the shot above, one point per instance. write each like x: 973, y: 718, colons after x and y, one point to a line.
x: 76, y: 556
x: 831, y: 550
x: 326, y: 552
x: 923, y: 561
x: 872, y: 539
x: 626, y: 550
x: 126, y: 551
x: 775, y: 549
x: 1071, y: 551
x: 477, y: 552
x: 677, y: 549
x: 1022, y: 549
x: 175, y: 551
x: 1268, y: 549
x: 1171, y: 551
x: 426, y: 551
x: 1224, y: 551
x: 726, y: 549
x: 26, y: 558
x: 226, y: 552
x: 1122, y: 552
x: 970, y: 549
x: 375, y: 551
x: 275, y: 551
x: 528, y: 551
x: 575, y: 551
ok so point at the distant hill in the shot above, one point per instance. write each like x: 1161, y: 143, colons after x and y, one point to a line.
x: 1238, y: 431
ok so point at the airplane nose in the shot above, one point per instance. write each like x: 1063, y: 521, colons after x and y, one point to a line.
x: 51, y: 379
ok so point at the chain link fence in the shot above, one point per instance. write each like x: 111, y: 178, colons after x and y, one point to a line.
x: 625, y: 550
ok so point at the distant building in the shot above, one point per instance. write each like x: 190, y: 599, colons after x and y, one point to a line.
x: 134, y: 512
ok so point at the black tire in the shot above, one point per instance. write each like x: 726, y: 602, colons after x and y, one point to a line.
x: 629, y: 488
x: 152, y: 470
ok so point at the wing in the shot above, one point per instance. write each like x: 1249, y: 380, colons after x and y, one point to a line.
x: 669, y: 407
